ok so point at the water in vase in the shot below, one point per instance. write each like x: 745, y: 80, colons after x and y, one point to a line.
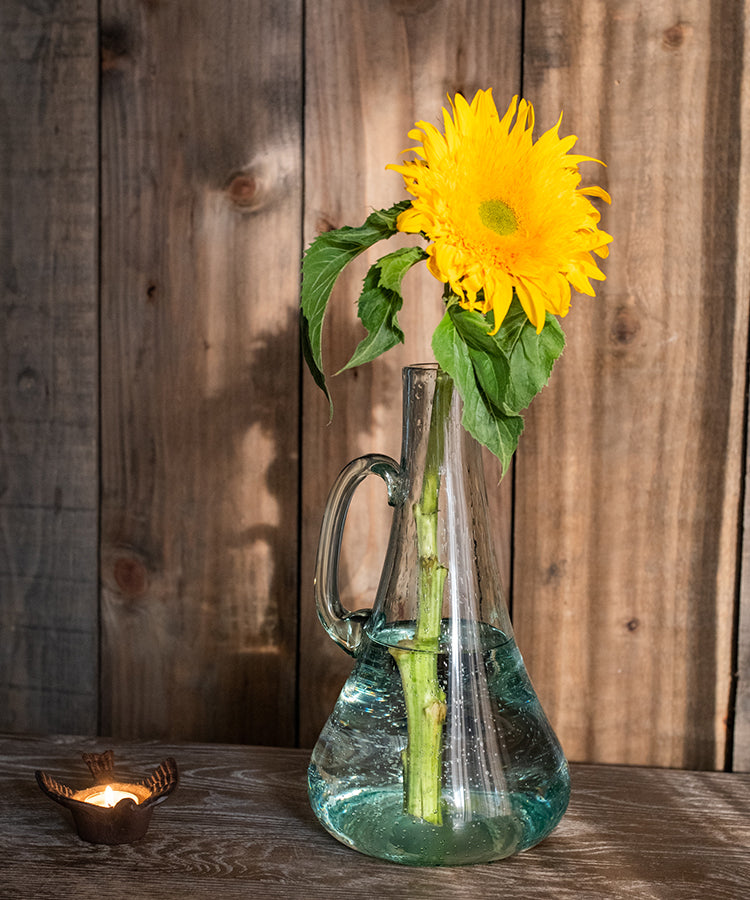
x: 504, y: 780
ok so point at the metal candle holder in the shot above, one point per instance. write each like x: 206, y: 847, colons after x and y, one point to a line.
x: 127, y: 820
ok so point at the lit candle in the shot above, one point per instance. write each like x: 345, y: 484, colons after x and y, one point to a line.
x: 109, y: 797
x: 99, y: 814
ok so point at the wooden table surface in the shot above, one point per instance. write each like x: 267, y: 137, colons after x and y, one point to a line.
x: 239, y: 825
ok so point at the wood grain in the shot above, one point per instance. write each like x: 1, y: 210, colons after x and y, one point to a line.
x: 629, y: 477
x: 240, y: 825
x: 372, y: 70
x: 48, y: 397
x: 741, y: 699
x: 201, y: 201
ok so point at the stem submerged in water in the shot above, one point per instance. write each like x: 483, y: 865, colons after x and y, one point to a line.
x: 417, y: 664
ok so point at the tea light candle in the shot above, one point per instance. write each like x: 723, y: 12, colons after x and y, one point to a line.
x: 112, y: 812
x: 110, y: 795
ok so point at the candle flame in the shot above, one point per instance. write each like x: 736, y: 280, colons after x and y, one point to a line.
x: 109, y: 797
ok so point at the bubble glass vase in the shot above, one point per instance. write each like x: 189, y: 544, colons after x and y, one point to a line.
x: 437, y: 751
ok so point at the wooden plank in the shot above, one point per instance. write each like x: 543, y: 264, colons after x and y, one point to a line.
x: 741, y: 736
x: 740, y: 761
x: 372, y: 70
x: 48, y: 396
x: 200, y: 259
x: 240, y: 825
x: 629, y: 476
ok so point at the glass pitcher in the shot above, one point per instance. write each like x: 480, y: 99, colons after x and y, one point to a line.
x: 437, y: 751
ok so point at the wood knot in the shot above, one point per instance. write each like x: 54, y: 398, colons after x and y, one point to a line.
x: 625, y: 327
x: 675, y: 37
x: 114, y: 46
x: 29, y: 382
x: 130, y: 575
x: 324, y: 224
x: 242, y: 190
x: 555, y: 571
x: 632, y: 624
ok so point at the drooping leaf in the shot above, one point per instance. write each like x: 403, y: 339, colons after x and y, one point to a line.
x: 491, y: 368
x: 474, y: 329
x: 307, y: 355
x: 323, y: 262
x: 531, y: 356
x: 380, y: 302
x: 482, y: 419
x: 498, y: 432
x: 377, y: 311
x: 395, y: 265
x: 492, y: 374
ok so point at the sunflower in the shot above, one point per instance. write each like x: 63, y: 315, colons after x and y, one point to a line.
x: 503, y: 213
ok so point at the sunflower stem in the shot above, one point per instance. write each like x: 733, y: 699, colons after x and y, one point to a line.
x: 417, y: 663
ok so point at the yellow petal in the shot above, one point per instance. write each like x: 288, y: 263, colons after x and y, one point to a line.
x: 533, y: 303
x: 595, y: 191
x: 411, y: 221
x: 498, y: 294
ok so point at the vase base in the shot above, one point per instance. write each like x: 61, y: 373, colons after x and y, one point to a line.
x: 373, y: 822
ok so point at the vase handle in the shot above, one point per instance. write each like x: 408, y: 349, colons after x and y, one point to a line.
x: 344, y: 626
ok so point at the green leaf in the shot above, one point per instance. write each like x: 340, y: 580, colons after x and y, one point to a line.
x: 474, y: 329
x: 307, y: 355
x: 377, y: 310
x: 491, y: 367
x: 395, y: 265
x: 492, y: 373
x: 482, y: 418
x: 531, y: 356
x: 379, y: 303
x: 323, y: 262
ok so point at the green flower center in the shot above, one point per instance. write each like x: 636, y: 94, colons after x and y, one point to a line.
x: 498, y: 217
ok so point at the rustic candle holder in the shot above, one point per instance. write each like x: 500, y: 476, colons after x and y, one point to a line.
x: 128, y: 819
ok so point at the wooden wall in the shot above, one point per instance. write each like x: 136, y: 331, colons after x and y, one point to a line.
x: 163, y: 458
